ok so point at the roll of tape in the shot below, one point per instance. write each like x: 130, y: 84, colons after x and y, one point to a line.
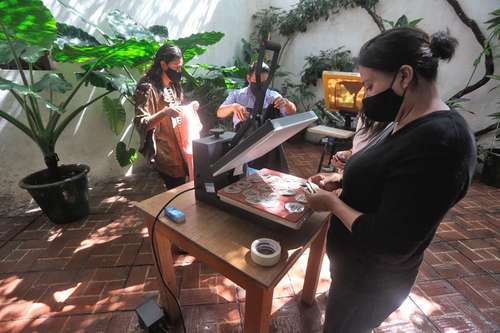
x: 265, y: 251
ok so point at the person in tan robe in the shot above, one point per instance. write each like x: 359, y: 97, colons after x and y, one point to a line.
x: 158, y: 110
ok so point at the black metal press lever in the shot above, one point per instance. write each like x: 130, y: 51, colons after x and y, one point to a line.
x: 260, y: 93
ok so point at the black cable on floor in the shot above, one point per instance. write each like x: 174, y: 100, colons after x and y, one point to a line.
x: 156, y: 257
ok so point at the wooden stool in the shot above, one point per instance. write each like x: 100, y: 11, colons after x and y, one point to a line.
x: 331, y: 134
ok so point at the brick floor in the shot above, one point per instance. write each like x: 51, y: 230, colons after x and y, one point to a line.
x: 90, y: 275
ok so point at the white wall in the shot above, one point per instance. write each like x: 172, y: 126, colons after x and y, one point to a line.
x: 88, y: 138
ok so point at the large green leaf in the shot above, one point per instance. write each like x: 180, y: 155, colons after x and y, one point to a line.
x: 124, y: 53
x: 160, y: 32
x: 21, y: 89
x: 192, y: 52
x: 68, y: 34
x: 33, y: 53
x: 115, y: 113
x: 125, y: 156
x: 54, y: 82
x: 402, y: 21
x: 124, y: 27
x: 203, y: 38
x: 6, y: 55
x: 28, y: 21
x: 110, y: 81
x: 194, y: 45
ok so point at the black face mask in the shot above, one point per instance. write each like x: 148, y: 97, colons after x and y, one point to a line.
x: 384, y: 106
x: 253, y: 88
x: 174, y: 76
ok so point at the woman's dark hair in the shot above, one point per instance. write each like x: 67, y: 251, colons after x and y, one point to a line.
x: 167, y: 53
x: 396, y: 47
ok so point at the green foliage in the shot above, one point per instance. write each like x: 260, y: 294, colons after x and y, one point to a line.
x: 267, y: 21
x: 28, y: 31
x: 124, y: 27
x: 28, y: 21
x: 115, y: 113
x: 209, y: 85
x: 306, y: 12
x: 19, y: 88
x: 494, y: 24
x: 403, y: 22
x: 488, y: 47
x: 68, y: 34
x: 123, y: 155
x: 195, y: 44
x: 111, y: 82
x: 52, y: 82
x: 7, y: 51
x: 159, y: 32
x: 299, y: 94
x: 124, y: 53
x: 458, y: 104
x: 333, y: 59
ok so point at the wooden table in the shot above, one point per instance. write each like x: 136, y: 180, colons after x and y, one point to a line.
x: 222, y: 241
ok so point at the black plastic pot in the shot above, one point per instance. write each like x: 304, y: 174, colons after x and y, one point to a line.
x: 491, y: 169
x: 62, y: 201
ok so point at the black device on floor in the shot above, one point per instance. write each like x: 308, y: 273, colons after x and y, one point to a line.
x: 152, y: 317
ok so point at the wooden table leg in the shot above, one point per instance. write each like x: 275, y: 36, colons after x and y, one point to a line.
x: 316, y: 253
x: 164, y: 253
x: 258, y: 310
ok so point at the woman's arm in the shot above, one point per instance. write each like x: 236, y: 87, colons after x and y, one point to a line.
x: 144, y: 118
x: 329, y: 201
x: 226, y: 110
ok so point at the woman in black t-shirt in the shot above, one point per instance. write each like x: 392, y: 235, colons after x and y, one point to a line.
x: 397, y: 190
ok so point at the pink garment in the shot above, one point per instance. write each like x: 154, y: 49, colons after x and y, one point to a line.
x: 189, y: 129
x: 360, y: 140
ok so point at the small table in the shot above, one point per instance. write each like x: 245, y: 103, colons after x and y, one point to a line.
x: 222, y: 241
x: 331, y: 134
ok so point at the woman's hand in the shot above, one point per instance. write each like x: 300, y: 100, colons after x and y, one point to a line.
x: 321, y: 201
x: 173, y: 111
x: 196, y: 105
x: 327, y: 181
x: 340, y: 158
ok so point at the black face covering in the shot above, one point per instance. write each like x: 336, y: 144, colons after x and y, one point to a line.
x: 384, y: 106
x: 174, y: 76
x: 253, y: 88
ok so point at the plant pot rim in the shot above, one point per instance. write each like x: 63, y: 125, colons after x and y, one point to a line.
x: 84, y: 170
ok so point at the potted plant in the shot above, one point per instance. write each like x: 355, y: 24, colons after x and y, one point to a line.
x: 27, y: 32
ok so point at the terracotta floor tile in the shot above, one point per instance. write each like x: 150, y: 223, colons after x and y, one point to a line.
x: 91, y: 275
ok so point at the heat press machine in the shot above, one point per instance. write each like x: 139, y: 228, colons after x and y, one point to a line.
x: 216, y: 157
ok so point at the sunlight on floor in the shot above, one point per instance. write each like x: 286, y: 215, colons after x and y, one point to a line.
x: 427, y: 306
x: 87, y: 243
x: 63, y: 295
x: 8, y: 285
